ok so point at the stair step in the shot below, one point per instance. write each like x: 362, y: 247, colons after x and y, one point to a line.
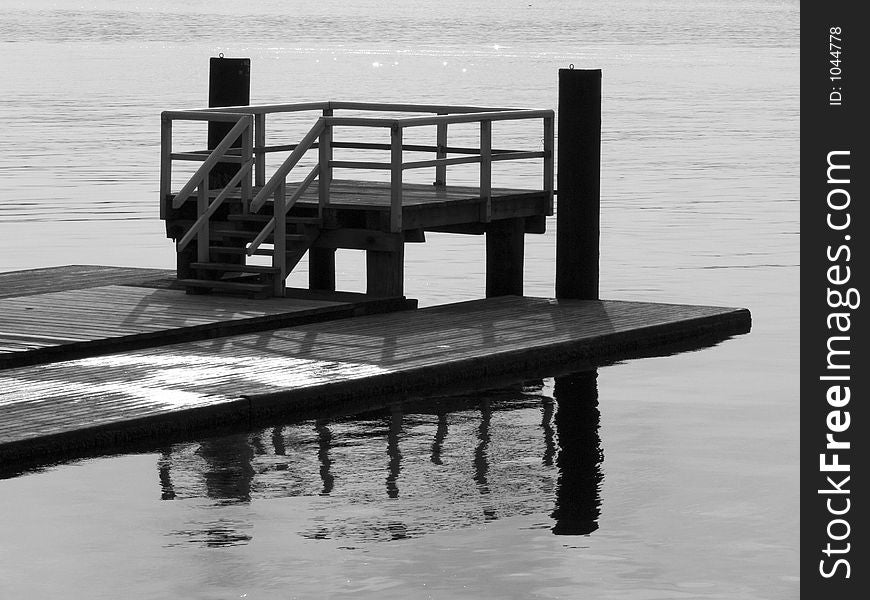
x: 236, y: 250
x: 250, y: 218
x: 234, y: 268
x: 250, y: 235
x: 235, y: 233
x: 305, y: 220
x: 263, y: 219
x: 227, y: 286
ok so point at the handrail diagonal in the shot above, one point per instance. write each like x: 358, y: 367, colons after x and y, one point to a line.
x: 270, y: 225
x: 213, y: 158
x: 205, y: 216
x: 281, y: 174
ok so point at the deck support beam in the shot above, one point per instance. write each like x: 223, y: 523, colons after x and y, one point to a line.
x: 504, y: 257
x: 385, y: 271
x: 321, y: 269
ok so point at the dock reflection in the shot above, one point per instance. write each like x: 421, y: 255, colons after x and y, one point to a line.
x: 229, y: 469
x: 445, y: 463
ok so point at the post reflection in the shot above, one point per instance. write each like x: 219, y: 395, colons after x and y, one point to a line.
x: 167, y: 490
x: 438, y: 442
x: 481, y: 460
x: 394, y: 466
x: 578, y: 501
x: 278, y: 441
x: 229, y: 469
x: 324, y: 440
x: 547, y: 407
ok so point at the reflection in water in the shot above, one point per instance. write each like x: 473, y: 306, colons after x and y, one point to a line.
x: 278, y: 441
x: 218, y: 534
x: 481, y: 464
x: 395, y: 464
x: 578, y: 502
x: 549, y: 433
x: 256, y: 441
x: 163, y: 465
x: 490, y: 466
x: 438, y: 442
x: 324, y: 440
x: 229, y: 471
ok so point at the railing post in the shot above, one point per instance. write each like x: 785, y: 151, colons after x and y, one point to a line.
x: 441, y: 152
x: 321, y: 261
x: 324, y: 150
x: 165, y: 164
x: 279, y: 253
x: 486, y: 169
x: 247, y: 155
x: 202, y: 238
x: 260, y: 143
x: 396, y: 178
x: 549, y: 159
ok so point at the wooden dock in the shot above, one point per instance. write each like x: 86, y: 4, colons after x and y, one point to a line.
x: 75, y: 311
x: 93, y: 358
x: 51, y: 410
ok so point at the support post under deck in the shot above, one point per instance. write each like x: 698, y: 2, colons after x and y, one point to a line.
x: 504, y: 257
x: 321, y: 269
x: 385, y: 272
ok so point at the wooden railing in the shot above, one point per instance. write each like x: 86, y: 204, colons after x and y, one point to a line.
x: 250, y: 124
x: 244, y: 127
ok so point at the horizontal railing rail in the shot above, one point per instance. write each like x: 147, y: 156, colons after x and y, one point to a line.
x: 291, y: 161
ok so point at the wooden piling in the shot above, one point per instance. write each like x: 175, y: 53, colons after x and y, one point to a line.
x: 229, y: 84
x: 578, y: 184
x: 321, y: 269
x: 385, y: 272
x: 504, y: 257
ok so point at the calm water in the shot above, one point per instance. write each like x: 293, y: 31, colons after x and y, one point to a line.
x: 685, y: 475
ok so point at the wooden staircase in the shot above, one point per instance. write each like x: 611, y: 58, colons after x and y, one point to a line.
x: 226, y: 270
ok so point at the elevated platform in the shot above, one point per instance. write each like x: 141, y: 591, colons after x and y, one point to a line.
x: 236, y: 205
x: 49, y: 411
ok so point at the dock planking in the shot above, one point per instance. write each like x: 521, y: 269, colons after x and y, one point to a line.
x: 49, y: 410
x: 75, y: 311
x: 78, y: 277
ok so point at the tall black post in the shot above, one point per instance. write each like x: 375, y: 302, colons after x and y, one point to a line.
x: 229, y: 84
x: 578, y: 183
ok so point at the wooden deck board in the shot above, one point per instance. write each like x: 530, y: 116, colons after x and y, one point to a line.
x: 52, y: 408
x: 89, y: 315
x: 75, y: 277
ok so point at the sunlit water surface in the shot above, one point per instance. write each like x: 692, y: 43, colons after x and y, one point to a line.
x: 696, y: 495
